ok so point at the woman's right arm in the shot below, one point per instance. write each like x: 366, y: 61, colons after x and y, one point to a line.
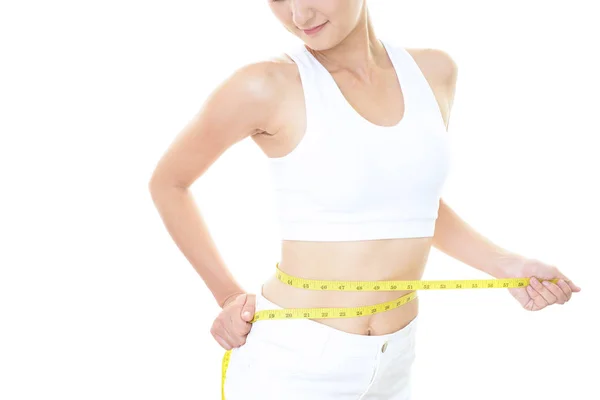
x: 241, y: 106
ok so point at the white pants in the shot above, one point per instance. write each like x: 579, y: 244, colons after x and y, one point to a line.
x: 301, y: 359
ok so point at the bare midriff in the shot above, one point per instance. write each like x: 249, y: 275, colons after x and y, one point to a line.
x: 367, y: 260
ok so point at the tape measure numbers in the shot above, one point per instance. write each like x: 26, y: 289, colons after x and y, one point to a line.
x: 366, y: 286
x: 313, y: 284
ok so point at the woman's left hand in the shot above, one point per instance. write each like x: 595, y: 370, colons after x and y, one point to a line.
x: 537, y: 295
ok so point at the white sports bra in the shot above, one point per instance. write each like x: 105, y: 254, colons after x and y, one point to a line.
x: 349, y: 179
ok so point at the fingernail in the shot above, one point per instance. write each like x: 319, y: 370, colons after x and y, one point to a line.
x: 534, y: 281
x: 546, y: 283
x: 246, y: 314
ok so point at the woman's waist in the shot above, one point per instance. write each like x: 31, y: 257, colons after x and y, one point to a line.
x: 340, y: 285
x: 337, y: 266
x: 364, y: 313
x: 287, y: 295
x: 372, y: 260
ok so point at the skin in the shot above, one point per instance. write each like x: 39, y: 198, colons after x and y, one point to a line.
x: 348, y: 48
x: 267, y: 101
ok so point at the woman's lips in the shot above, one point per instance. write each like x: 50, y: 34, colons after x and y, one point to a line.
x: 314, y: 30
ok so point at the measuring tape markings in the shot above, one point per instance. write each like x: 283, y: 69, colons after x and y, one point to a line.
x: 351, y: 312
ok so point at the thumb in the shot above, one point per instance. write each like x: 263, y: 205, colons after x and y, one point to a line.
x: 569, y: 282
x: 248, y: 307
x: 574, y: 287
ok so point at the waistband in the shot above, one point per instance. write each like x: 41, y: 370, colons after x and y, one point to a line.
x: 324, y: 337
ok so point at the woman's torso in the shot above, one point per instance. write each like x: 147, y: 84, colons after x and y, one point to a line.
x: 381, y: 103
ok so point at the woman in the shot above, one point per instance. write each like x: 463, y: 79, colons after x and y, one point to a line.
x: 355, y: 129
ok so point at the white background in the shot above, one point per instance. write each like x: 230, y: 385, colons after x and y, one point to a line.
x: 96, y: 301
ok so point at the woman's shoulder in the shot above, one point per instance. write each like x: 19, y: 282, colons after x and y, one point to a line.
x: 267, y: 78
x: 253, y: 93
x: 435, y: 63
x: 275, y: 69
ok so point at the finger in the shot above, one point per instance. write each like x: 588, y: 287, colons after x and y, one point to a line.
x: 224, y: 325
x: 573, y: 286
x: 235, y: 327
x: 561, y: 297
x: 249, y: 307
x: 221, y: 329
x: 537, y: 301
x: 230, y: 337
x: 541, y: 289
x: 222, y: 342
x: 235, y: 332
x: 240, y: 328
x: 565, y: 288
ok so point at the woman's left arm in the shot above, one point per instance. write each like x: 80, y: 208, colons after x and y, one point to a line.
x: 454, y: 237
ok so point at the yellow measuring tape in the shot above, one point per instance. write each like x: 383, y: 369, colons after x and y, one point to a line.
x: 358, y: 286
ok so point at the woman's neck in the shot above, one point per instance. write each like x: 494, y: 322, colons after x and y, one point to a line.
x: 358, y: 53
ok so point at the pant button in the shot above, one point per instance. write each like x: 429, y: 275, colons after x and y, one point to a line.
x: 384, y: 347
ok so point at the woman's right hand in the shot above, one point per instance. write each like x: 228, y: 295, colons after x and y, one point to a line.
x: 232, y: 325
